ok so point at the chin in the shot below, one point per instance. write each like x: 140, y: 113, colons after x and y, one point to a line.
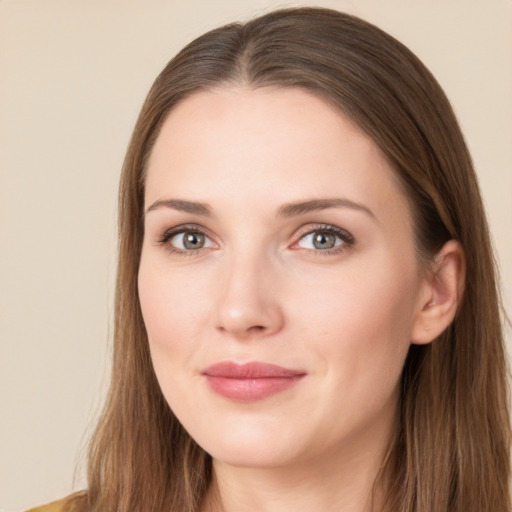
x: 244, y: 445
x: 252, y: 456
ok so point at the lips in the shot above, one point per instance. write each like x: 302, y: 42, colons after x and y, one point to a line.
x: 250, y: 382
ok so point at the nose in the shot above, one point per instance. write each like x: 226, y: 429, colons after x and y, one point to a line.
x: 248, y: 300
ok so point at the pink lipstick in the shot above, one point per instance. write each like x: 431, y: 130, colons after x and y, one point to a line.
x: 251, y: 381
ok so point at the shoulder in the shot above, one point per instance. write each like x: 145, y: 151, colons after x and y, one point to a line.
x: 63, y: 505
x: 54, y: 506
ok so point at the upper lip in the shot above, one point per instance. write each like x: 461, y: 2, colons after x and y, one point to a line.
x: 252, y: 370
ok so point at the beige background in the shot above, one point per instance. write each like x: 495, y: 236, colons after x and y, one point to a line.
x: 73, y: 74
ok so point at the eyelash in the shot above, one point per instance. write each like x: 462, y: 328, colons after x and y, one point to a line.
x: 346, y: 238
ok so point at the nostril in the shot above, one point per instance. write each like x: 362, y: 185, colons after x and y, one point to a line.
x: 251, y: 317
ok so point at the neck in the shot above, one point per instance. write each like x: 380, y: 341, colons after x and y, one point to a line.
x: 341, y: 481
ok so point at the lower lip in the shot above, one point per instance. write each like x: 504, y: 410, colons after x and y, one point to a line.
x: 250, y: 390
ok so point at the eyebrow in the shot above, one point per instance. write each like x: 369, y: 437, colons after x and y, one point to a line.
x: 182, y: 206
x: 313, y: 205
x: 286, y: 210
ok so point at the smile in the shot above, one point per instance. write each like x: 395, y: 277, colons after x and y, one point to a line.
x: 250, y: 382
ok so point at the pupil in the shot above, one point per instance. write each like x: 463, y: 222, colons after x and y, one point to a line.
x: 324, y: 241
x: 193, y: 241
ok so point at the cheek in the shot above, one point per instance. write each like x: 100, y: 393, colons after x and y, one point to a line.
x: 368, y: 296
x: 171, y: 303
x: 361, y: 321
x: 172, y: 323
x: 171, y: 320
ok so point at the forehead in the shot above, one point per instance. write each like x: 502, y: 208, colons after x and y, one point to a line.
x: 266, y: 145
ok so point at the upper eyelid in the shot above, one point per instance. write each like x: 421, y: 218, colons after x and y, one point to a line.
x: 303, y: 230
x: 182, y: 228
x: 343, y: 233
x: 298, y: 234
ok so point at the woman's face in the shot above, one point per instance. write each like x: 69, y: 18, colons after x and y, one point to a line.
x: 279, y: 282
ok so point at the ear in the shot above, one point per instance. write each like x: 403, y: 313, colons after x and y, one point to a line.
x: 441, y: 294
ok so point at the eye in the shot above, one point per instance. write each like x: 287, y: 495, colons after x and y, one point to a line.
x: 189, y: 240
x: 327, y: 239
x: 183, y: 240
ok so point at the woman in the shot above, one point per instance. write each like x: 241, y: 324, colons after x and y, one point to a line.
x: 306, y: 309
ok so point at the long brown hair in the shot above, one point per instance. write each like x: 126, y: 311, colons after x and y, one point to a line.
x: 451, y: 449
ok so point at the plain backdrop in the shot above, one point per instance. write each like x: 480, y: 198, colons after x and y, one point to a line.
x: 73, y: 75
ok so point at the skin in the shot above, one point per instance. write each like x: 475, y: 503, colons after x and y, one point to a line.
x: 260, y: 290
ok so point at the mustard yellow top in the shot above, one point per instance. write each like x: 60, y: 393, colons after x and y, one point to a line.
x: 54, y: 506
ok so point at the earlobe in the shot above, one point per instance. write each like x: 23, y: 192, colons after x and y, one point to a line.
x: 441, y: 295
